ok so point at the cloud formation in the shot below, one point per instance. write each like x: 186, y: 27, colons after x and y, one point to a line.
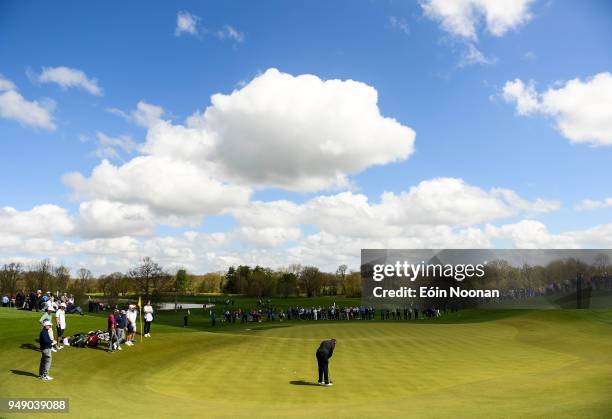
x: 298, y: 133
x: 301, y: 132
x: 592, y: 204
x: 461, y: 18
x: 229, y: 32
x: 180, y: 192
x: 582, y: 110
x: 14, y: 106
x: 41, y: 221
x: 186, y: 24
x: 67, y: 77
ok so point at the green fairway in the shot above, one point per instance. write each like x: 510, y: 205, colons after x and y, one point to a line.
x: 470, y: 364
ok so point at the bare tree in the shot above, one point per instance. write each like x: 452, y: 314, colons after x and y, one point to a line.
x: 9, y: 276
x: 61, y: 276
x: 42, y: 275
x: 82, y: 283
x: 148, y: 276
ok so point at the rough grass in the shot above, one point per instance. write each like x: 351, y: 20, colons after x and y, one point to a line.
x: 469, y: 364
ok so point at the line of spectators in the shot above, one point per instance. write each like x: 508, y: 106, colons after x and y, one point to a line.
x: 39, y: 301
x: 272, y: 313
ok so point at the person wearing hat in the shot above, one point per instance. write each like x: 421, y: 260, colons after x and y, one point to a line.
x: 46, y: 315
x: 131, y: 316
x: 46, y: 343
x: 60, y: 319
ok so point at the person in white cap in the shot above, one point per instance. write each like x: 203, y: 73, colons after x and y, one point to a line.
x: 60, y: 319
x: 46, y: 342
x: 46, y: 316
x: 131, y: 315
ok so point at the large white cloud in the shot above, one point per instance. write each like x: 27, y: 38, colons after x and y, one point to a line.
x: 582, y: 110
x: 300, y: 132
x: 453, y: 201
x: 170, y: 188
x: 40, y: 221
x: 14, y: 106
x: 293, y: 132
x: 434, y: 202
x: 462, y: 18
x: 68, y: 77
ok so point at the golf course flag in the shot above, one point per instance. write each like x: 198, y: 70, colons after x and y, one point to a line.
x: 140, y: 316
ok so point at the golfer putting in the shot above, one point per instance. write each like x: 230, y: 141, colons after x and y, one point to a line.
x: 325, y: 351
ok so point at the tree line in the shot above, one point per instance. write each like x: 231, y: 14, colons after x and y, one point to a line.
x: 502, y: 275
x: 292, y: 281
x: 151, y: 280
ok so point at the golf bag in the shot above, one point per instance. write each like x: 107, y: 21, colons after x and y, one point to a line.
x: 94, y: 337
x: 78, y: 340
x: 92, y: 340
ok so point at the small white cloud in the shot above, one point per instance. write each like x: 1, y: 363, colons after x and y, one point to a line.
x: 461, y: 18
x: 229, y: 32
x: 525, y: 96
x: 399, y: 24
x: 581, y: 109
x: 591, y: 204
x: 69, y: 77
x: 14, y: 106
x: 186, y: 23
x: 470, y: 55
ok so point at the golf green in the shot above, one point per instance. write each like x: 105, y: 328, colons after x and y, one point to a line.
x: 525, y: 364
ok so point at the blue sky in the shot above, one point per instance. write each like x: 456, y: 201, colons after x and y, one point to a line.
x: 467, y: 121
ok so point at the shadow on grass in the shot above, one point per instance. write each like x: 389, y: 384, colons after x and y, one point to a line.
x: 25, y: 373
x: 30, y: 346
x: 302, y: 383
x: 99, y: 347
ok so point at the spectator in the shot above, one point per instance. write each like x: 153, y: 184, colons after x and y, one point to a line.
x: 46, y: 342
x: 60, y: 319
x: 121, y: 320
x: 148, y: 318
x: 131, y: 316
x: 186, y: 318
x: 112, y: 331
x: 46, y: 317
